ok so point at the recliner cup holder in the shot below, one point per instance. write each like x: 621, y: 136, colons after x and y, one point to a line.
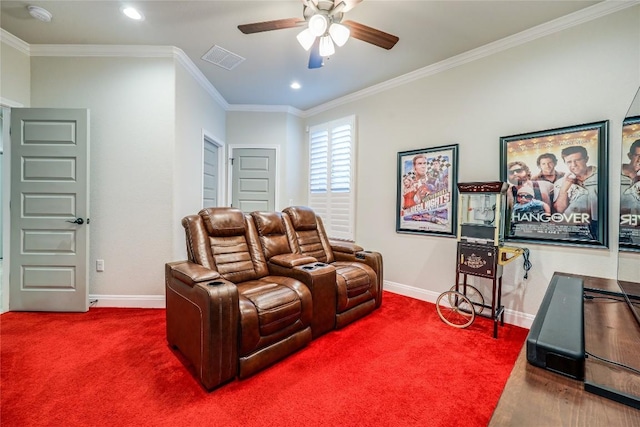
x: 308, y: 267
x: 216, y: 283
x: 320, y: 264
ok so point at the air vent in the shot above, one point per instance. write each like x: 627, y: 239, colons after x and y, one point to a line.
x: 222, y: 58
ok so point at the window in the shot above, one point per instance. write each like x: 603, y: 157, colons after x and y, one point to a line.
x: 331, y: 176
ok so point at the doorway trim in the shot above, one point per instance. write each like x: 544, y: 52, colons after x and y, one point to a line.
x: 253, y: 147
x: 6, y: 105
x: 222, y: 167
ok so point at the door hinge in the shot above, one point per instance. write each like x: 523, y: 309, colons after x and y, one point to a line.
x: 231, y: 160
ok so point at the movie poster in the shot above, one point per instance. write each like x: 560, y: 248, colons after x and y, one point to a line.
x: 427, y: 180
x: 630, y: 185
x: 557, y: 185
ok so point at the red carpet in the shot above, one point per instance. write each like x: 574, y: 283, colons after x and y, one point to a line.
x: 400, y: 366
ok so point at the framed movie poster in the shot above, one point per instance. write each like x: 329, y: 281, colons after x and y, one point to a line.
x: 630, y: 185
x: 426, y: 201
x: 557, y: 185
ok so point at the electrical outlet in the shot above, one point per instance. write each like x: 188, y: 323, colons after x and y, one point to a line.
x: 100, y: 265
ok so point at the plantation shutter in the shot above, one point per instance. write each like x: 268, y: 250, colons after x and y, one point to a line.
x: 331, y: 176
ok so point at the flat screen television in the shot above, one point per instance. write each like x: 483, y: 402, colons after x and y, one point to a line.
x: 631, y: 291
x: 626, y: 391
x: 621, y: 382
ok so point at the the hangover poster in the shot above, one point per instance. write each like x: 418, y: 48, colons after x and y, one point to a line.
x: 426, y: 197
x: 557, y: 185
x: 630, y: 185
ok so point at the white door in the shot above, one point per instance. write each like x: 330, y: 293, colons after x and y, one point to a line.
x: 211, y: 175
x: 49, y: 209
x: 254, y: 179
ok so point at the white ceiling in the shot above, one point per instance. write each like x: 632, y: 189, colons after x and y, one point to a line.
x: 429, y: 32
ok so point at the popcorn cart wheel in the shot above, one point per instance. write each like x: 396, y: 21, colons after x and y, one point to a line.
x: 455, y: 309
x: 473, y: 294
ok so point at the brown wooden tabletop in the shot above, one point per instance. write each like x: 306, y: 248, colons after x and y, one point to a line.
x: 536, y: 397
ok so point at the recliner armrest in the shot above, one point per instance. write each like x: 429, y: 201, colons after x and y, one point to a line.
x: 371, y: 258
x: 202, y: 321
x: 190, y: 273
x: 320, y: 278
x: 344, y: 246
x: 291, y: 260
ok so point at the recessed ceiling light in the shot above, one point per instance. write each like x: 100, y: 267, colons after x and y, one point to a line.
x: 133, y: 13
x: 39, y: 13
x: 295, y: 85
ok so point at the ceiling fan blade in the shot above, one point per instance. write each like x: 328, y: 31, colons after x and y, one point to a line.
x: 338, y: 7
x: 278, y: 24
x: 350, y: 4
x: 315, y: 60
x: 311, y: 4
x: 371, y: 35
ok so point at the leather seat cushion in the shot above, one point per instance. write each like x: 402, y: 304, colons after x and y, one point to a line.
x: 356, y: 284
x: 277, y: 306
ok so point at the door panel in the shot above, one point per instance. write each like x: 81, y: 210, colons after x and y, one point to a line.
x: 61, y: 205
x: 49, y: 191
x: 254, y: 173
x: 210, y: 179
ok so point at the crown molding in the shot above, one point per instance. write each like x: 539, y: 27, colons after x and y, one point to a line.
x: 89, y: 50
x: 195, y: 72
x: 14, y: 42
x: 585, y: 15
x: 596, y: 11
x: 266, y: 109
x: 5, y: 102
x: 123, y: 51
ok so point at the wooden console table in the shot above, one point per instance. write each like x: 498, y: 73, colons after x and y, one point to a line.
x: 536, y: 397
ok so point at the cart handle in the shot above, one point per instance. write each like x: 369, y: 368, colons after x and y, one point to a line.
x: 505, y: 251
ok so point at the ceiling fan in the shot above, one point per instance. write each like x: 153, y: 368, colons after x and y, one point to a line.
x: 324, y: 28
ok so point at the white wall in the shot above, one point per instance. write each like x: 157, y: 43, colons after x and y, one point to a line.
x: 196, y: 113
x: 274, y: 129
x: 131, y: 103
x: 14, y: 70
x: 296, y: 172
x: 15, y: 91
x: 580, y: 75
x: 148, y: 117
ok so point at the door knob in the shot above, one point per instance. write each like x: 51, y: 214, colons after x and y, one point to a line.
x: 78, y: 221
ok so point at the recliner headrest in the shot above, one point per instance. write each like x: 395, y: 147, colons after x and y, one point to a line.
x: 223, y: 222
x: 302, y: 218
x: 269, y: 223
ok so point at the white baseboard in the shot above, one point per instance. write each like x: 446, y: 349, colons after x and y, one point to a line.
x: 511, y: 317
x: 128, y: 301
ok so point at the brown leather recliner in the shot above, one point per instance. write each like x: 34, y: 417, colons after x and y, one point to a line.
x: 319, y: 277
x: 225, y: 313
x: 359, y: 273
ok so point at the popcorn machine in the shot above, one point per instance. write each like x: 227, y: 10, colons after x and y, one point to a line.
x: 483, y: 218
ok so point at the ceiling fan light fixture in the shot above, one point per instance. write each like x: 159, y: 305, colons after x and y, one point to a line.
x: 306, y: 39
x: 339, y: 33
x: 326, y: 46
x: 318, y: 25
x: 132, y: 13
